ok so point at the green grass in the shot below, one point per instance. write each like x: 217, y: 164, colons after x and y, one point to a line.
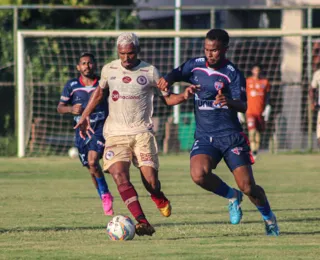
x: 50, y: 210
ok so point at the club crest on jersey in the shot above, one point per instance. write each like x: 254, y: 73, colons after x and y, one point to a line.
x: 109, y: 155
x: 218, y: 85
x: 236, y: 150
x: 126, y: 79
x: 142, y: 80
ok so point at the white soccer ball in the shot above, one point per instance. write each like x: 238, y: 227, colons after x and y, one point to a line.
x: 121, y: 228
x: 73, y: 153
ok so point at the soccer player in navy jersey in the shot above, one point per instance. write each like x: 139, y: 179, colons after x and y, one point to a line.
x: 74, y: 99
x: 219, y: 93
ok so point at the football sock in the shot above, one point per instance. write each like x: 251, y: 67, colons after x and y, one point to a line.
x: 99, y: 193
x: 159, y: 199
x: 102, y: 185
x: 265, y: 211
x: 224, y: 191
x: 130, y: 198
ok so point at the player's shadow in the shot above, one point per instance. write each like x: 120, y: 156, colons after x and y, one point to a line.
x: 46, y: 229
x: 241, y: 235
x: 242, y: 222
x: 279, y: 210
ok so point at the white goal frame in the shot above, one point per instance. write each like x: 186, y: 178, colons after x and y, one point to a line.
x: 22, y: 34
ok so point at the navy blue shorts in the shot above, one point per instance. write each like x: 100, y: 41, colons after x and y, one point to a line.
x: 234, y: 149
x: 96, y: 143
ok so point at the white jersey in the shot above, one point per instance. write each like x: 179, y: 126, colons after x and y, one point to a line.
x: 131, y: 97
x: 315, y: 83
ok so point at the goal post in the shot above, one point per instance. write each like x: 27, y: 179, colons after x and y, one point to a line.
x: 47, y: 59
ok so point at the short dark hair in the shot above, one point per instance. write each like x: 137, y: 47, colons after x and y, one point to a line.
x: 257, y: 64
x: 218, y: 35
x: 87, y: 54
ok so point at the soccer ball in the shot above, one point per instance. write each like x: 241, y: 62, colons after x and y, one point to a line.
x: 73, y: 152
x: 121, y: 228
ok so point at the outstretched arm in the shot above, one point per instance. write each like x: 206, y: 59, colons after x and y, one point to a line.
x: 175, y: 99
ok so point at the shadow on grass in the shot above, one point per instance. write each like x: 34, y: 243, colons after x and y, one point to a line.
x: 191, y: 223
x: 47, y: 229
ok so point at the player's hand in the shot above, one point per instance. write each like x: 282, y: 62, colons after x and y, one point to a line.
x: 221, y: 99
x: 313, y: 106
x: 162, y: 84
x: 190, y: 91
x: 85, y: 128
x: 77, y: 109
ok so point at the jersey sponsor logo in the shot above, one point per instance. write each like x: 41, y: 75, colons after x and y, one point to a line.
x: 113, y: 67
x: 126, y: 79
x: 142, y: 80
x: 144, y: 70
x: 116, y: 95
x: 113, y: 78
x: 64, y: 98
x: 204, y: 104
x: 73, y: 83
x: 237, y: 150
x: 200, y: 60
x: 230, y: 67
x: 218, y: 85
x: 109, y: 155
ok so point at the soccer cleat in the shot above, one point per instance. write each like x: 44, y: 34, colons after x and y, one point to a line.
x: 166, y: 210
x: 163, y: 204
x: 107, y: 200
x: 272, y: 229
x: 235, y: 211
x: 144, y: 229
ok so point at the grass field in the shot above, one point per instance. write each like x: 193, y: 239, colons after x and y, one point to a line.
x: 50, y: 210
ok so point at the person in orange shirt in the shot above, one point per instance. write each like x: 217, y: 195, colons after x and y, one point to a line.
x: 258, y: 112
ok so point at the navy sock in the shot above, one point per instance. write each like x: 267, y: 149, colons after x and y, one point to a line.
x: 99, y: 193
x: 103, y: 186
x: 265, y: 211
x: 224, y: 191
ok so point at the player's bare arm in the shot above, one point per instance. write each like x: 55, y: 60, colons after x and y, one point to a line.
x: 175, y: 99
x: 63, y: 108
x: 164, y: 84
x: 235, y: 104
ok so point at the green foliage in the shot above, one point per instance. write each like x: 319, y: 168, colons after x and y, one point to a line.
x: 53, y: 19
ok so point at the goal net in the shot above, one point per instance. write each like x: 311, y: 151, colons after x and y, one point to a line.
x: 47, y: 60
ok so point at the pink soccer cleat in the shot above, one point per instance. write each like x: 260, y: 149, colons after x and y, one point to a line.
x: 107, y: 200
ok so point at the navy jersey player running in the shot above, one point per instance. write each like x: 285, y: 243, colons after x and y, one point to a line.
x: 219, y: 93
x: 74, y: 99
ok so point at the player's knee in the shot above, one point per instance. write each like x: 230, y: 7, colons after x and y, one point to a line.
x: 119, y: 177
x: 246, y: 188
x: 198, y: 176
x: 93, y: 164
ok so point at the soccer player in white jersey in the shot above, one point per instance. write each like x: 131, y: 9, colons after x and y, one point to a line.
x: 128, y: 128
x: 315, y: 102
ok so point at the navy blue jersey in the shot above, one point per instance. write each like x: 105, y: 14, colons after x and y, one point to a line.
x: 75, y: 92
x: 212, y: 120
